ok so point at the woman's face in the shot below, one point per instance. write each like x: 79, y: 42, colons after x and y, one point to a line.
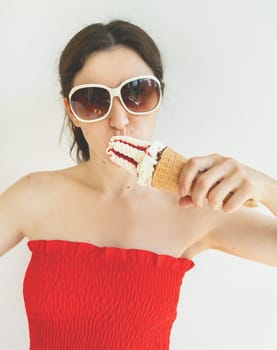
x: 111, y: 67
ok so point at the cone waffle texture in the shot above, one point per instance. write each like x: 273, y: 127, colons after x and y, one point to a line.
x: 167, y: 172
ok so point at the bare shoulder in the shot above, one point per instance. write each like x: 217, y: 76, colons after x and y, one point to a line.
x: 40, y: 181
x: 49, y: 177
x: 23, y: 201
x: 25, y: 196
x: 25, y: 186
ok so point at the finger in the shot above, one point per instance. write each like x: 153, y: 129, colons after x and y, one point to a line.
x: 236, y: 198
x: 210, y: 179
x: 223, y: 191
x: 191, y: 169
x: 205, y: 183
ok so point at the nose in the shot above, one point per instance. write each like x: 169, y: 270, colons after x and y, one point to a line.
x: 119, y: 117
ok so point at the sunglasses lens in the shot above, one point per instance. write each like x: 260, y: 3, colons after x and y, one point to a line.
x: 141, y: 95
x: 90, y: 103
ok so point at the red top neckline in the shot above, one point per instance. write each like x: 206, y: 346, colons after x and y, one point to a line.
x: 48, y: 244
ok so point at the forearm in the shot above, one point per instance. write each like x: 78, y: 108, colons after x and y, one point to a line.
x: 270, y: 197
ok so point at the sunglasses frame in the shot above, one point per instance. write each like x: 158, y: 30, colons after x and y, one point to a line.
x: 114, y: 92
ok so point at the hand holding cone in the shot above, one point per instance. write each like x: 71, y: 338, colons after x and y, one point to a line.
x: 167, y: 172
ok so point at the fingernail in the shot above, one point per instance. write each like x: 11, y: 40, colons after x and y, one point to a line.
x: 183, y: 192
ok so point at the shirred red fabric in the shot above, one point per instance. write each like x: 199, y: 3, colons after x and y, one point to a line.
x: 79, y: 296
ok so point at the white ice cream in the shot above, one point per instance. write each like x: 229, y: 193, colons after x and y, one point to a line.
x: 146, y: 159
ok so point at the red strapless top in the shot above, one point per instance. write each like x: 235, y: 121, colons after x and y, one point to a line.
x: 79, y: 296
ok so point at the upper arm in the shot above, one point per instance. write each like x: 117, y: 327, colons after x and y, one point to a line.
x: 13, y: 206
x: 246, y: 233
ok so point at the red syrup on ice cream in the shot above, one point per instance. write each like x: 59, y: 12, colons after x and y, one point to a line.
x: 131, y: 160
x: 120, y: 155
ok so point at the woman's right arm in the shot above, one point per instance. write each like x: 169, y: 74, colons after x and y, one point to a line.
x: 13, y: 207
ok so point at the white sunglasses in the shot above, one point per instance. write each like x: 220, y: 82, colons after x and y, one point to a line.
x: 93, y: 102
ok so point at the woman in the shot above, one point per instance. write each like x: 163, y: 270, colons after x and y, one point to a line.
x: 108, y: 255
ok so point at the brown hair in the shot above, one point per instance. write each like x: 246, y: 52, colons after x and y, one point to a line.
x: 97, y: 37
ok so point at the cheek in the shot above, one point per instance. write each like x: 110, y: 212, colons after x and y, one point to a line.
x: 96, y: 136
x: 91, y: 133
x: 148, y: 125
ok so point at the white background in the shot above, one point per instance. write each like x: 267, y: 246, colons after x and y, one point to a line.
x: 221, y: 96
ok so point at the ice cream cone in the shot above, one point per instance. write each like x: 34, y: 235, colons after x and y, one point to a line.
x: 167, y: 172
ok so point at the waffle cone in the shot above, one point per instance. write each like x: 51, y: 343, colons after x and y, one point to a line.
x: 167, y: 172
